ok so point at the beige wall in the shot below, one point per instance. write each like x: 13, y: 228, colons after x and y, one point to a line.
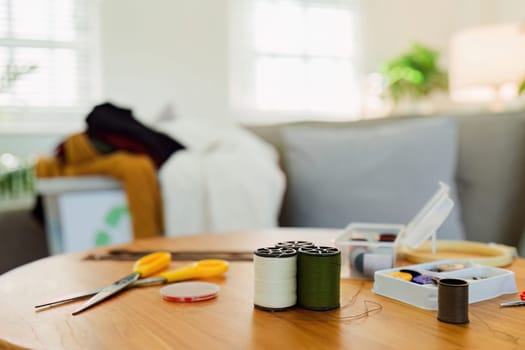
x: 390, y: 26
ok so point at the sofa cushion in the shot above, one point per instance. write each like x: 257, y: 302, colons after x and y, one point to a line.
x: 382, y: 172
x: 491, y: 176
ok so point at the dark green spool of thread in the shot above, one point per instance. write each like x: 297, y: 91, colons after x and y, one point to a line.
x: 318, y: 278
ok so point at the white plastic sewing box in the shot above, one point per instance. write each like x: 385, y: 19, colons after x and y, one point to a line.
x: 365, y: 254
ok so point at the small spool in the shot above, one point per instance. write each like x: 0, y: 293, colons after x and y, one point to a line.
x: 414, y: 273
x: 366, y: 262
x: 357, y: 256
x: 275, y: 273
x: 387, y: 237
x: 449, y: 267
x: 453, y: 300
x: 294, y: 244
x: 318, y: 278
x: 405, y: 276
x: 423, y: 279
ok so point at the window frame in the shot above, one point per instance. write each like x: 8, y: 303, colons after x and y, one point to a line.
x: 243, y: 58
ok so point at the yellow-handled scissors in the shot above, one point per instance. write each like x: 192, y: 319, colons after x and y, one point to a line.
x: 200, y: 269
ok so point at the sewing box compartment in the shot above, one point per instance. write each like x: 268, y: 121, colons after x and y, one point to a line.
x: 485, y: 282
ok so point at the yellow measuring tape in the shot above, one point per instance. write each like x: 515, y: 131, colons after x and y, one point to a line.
x: 490, y: 254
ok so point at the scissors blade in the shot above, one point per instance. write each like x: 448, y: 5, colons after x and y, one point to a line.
x: 108, y: 291
x: 513, y: 303
x: 81, y: 295
x: 68, y: 298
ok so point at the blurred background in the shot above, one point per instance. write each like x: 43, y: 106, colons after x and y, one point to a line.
x: 247, y: 62
x: 256, y: 61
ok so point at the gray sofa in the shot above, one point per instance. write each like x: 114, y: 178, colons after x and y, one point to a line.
x: 487, y: 180
x: 23, y: 238
x: 379, y: 170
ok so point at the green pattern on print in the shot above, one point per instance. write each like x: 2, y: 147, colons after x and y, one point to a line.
x: 102, y: 238
x: 114, y: 215
x: 112, y: 219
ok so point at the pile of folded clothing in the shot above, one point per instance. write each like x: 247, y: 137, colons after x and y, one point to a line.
x: 116, y: 144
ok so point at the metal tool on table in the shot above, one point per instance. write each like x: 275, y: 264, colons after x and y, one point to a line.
x: 130, y: 255
x: 520, y: 302
x: 200, y: 269
x: 146, y: 266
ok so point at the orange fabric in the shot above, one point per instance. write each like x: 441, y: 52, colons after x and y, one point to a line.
x: 136, y: 172
x: 78, y: 149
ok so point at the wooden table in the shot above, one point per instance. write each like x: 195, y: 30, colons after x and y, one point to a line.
x: 140, y: 319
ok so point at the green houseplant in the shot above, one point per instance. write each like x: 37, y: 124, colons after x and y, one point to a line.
x: 521, y: 88
x: 12, y: 73
x: 414, y: 74
x: 16, y: 177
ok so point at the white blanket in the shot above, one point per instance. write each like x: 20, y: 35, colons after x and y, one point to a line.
x: 227, y: 179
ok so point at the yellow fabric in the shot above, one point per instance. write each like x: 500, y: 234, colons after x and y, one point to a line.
x: 136, y: 173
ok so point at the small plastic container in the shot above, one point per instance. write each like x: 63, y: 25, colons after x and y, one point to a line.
x: 485, y: 282
x: 369, y: 247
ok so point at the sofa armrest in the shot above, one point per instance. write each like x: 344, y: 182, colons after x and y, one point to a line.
x: 23, y: 239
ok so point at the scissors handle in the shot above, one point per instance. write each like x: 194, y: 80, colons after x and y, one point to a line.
x: 200, y: 269
x: 152, y: 263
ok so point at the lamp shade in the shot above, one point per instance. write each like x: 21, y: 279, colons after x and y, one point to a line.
x: 487, y: 63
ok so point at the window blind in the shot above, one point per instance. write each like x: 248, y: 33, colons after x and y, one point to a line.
x: 46, y: 55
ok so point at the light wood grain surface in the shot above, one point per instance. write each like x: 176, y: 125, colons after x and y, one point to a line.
x: 140, y: 319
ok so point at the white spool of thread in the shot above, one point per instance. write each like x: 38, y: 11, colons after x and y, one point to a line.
x: 275, y: 283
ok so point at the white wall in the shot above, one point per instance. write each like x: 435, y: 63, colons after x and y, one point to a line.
x: 157, y: 51
x: 177, y: 50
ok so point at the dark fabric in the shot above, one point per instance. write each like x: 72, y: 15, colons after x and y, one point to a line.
x: 118, y: 142
x: 101, y: 146
x: 112, y: 120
